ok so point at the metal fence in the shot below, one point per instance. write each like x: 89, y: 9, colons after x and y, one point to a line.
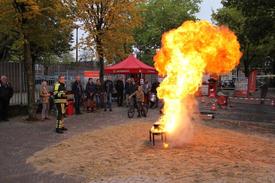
x: 16, y: 76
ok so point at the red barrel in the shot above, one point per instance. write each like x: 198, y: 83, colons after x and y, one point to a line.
x: 70, y: 108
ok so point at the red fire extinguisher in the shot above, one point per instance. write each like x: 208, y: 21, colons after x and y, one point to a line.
x: 212, y: 88
x: 70, y: 108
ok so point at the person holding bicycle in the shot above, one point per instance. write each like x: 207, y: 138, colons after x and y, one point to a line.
x: 139, y: 99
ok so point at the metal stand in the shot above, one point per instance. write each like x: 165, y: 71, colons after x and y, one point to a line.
x: 153, y: 133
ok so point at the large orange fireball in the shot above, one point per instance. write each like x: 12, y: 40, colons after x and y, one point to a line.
x: 186, y: 54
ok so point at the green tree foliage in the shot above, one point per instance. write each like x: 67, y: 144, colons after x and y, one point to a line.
x: 160, y: 16
x: 35, y: 27
x: 253, y: 22
x: 10, y: 48
x: 259, y: 15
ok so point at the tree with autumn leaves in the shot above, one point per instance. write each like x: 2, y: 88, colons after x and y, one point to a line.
x: 35, y: 27
x: 110, y: 25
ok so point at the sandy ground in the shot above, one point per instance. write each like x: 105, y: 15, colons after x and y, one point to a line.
x: 122, y: 153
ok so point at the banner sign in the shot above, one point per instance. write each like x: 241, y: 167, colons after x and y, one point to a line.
x: 91, y: 74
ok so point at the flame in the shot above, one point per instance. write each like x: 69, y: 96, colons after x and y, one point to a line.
x: 165, y: 145
x: 186, y: 54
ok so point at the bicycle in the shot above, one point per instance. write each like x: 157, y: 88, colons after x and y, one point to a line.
x: 134, y: 106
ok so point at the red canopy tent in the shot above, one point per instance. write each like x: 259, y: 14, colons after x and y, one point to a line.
x: 130, y: 65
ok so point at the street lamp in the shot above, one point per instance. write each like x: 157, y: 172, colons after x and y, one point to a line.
x: 76, y: 27
x: 76, y: 43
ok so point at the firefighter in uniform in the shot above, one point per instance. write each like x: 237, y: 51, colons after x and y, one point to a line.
x: 60, y: 100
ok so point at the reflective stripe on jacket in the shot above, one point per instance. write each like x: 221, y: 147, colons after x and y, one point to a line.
x: 59, y: 93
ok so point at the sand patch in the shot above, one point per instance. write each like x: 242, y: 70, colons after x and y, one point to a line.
x: 122, y: 154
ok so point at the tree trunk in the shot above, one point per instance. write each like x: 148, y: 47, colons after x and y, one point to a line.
x: 101, y: 59
x: 101, y: 68
x: 46, y: 70
x: 246, y: 67
x: 246, y: 61
x: 29, y: 67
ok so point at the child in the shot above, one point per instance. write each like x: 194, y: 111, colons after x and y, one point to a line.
x: 140, y: 99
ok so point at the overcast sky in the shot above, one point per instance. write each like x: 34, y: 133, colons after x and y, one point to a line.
x: 206, y: 9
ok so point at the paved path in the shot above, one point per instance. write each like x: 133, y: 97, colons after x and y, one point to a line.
x: 20, y: 139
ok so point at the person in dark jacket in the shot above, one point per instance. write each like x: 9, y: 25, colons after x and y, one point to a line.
x: 146, y: 89
x: 130, y: 88
x: 90, y: 93
x: 264, y: 90
x: 133, y: 85
x: 6, y: 92
x: 108, y: 89
x: 127, y: 91
x: 119, y: 89
x: 99, y: 98
x: 90, y: 89
x: 154, y: 87
x: 77, y: 90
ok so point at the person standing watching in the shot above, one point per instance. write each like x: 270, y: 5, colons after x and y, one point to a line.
x: 6, y: 92
x: 154, y: 87
x: 119, y: 89
x: 127, y: 91
x: 78, y: 93
x: 99, y: 94
x: 133, y: 86
x: 90, y: 89
x: 264, y: 90
x: 44, y: 95
x: 146, y: 89
x: 90, y: 93
x: 60, y: 100
x: 108, y: 88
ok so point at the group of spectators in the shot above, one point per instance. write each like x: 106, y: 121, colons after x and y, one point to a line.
x: 96, y: 95
x: 92, y: 97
